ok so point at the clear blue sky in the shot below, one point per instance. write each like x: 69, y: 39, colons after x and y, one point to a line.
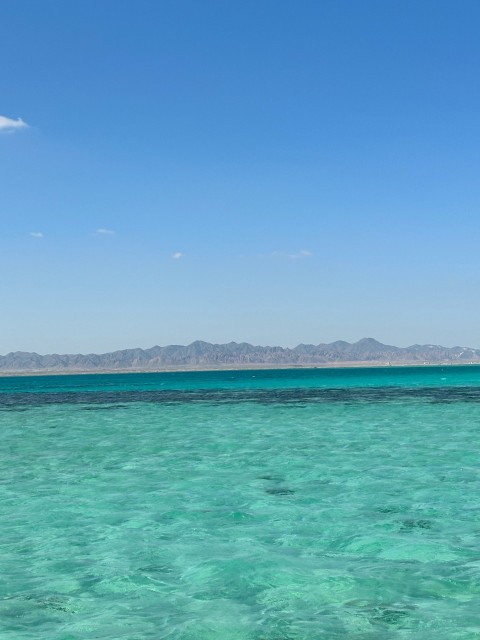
x: 261, y: 170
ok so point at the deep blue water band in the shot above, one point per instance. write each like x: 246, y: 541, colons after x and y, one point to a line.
x: 262, y: 396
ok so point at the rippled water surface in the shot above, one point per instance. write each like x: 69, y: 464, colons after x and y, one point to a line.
x: 289, y: 505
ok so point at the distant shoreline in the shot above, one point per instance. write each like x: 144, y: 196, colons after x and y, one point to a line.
x: 248, y: 367
x: 236, y: 356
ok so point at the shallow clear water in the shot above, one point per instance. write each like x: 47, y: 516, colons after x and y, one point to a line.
x: 267, y: 505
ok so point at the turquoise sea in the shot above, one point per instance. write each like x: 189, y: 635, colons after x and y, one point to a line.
x: 241, y: 505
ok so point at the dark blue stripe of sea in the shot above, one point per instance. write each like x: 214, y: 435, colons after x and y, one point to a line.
x: 436, y: 384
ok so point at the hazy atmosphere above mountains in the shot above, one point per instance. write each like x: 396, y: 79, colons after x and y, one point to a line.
x: 274, y: 172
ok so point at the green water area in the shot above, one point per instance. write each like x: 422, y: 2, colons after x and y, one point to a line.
x: 249, y: 505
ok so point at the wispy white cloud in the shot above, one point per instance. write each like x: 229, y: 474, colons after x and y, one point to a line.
x: 36, y: 234
x: 303, y: 253
x: 104, y: 232
x: 9, y: 125
x: 177, y: 255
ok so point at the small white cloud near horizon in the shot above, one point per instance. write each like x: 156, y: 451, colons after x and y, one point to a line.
x: 104, y: 232
x: 9, y: 125
x: 303, y: 253
x: 36, y: 234
x: 177, y: 255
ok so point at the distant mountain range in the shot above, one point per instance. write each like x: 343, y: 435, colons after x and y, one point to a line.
x: 199, y: 355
